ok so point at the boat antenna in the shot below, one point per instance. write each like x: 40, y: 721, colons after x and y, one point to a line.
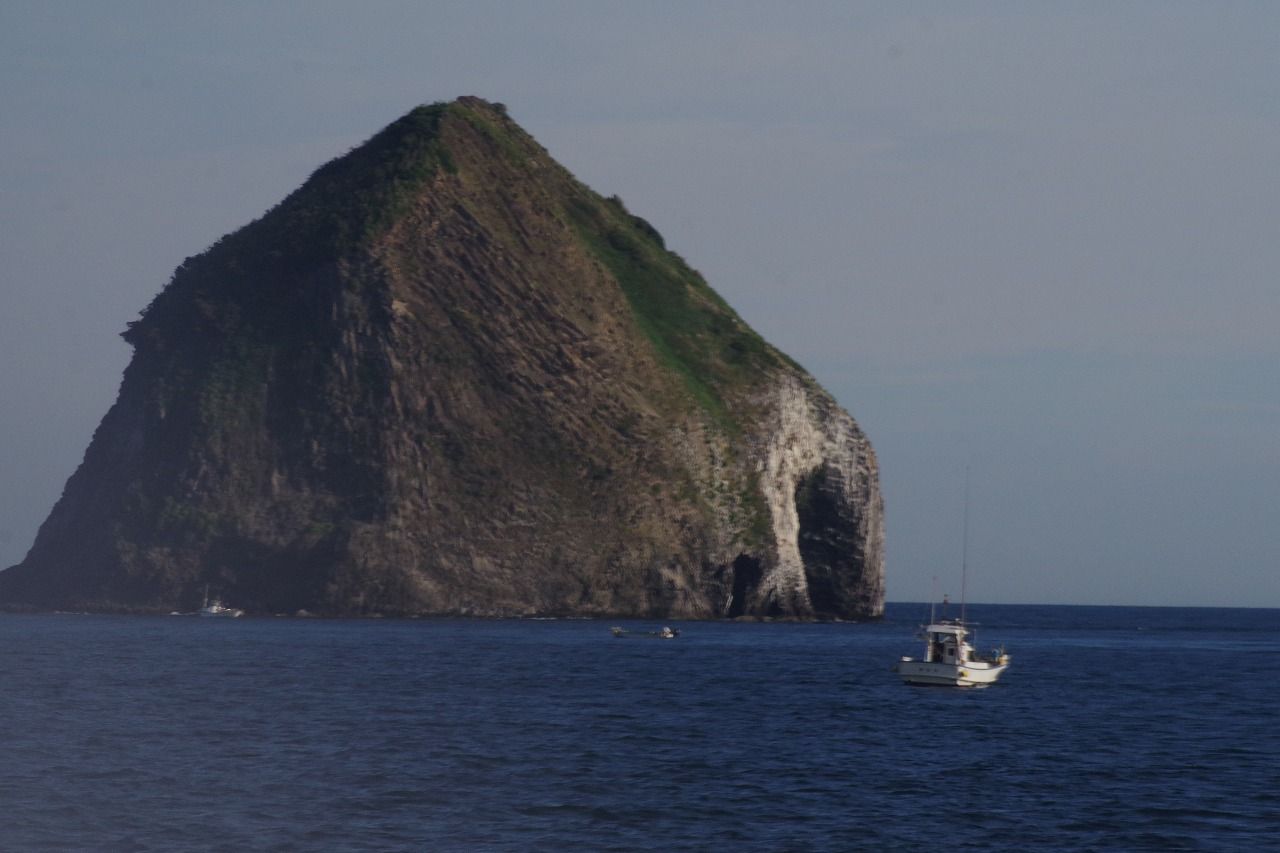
x: 964, y: 549
x: 933, y: 599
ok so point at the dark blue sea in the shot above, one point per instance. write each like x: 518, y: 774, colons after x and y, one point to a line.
x: 1115, y: 729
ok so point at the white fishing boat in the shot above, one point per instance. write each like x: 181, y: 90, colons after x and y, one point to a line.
x: 217, y: 608
x: 950, y: 661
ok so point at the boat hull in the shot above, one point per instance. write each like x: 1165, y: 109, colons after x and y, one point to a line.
x: 968, y: 674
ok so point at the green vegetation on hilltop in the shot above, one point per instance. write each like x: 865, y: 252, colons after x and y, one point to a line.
x: 693, y: 330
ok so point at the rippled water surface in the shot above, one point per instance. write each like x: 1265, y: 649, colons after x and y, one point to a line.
x: 1115, y: 729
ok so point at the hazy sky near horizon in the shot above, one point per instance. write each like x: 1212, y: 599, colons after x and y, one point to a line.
x: 1038, y: 241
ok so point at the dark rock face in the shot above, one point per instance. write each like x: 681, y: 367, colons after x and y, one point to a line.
x: 445, y: 377
x: 831, y: 544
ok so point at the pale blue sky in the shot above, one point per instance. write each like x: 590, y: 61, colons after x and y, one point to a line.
x: 1037, y: 240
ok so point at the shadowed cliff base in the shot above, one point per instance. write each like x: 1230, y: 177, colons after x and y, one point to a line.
x: 444, y: 377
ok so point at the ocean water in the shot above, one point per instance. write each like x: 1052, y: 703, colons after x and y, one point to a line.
x: 1115, y: 729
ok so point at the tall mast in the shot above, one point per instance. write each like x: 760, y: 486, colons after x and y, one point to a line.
x: 964, y: 550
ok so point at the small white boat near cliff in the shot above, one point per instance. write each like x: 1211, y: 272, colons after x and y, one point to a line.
x: 666, y: 633
x: 217, y: 609
x: 950, y: 661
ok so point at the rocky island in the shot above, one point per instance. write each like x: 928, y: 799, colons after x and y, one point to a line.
x: 445, y: 377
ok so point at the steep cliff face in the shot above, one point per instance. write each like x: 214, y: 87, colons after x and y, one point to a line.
x: 445, y: 377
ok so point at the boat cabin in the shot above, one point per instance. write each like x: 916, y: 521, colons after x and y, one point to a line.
x: 943, y: 643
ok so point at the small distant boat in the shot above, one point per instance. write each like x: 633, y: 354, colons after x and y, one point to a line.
x: 950, y: 661
x: 665, y: 633
x: 217, y: 608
